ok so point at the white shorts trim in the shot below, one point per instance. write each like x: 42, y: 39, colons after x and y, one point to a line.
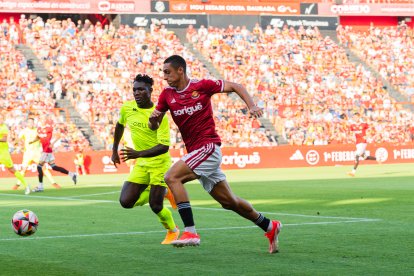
x: 205, y: 162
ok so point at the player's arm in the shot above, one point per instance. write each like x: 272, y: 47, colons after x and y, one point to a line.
x: 157, y: 115
x: 163, y: 140
x: 119, y: 131
x: 244, y: 95
x: 3, y: 137
x: 35, y: 140
x: 155, y: 119
x: 129, y: 153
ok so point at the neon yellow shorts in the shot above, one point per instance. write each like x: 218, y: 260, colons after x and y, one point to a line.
x: 5, y: 158
x: 30, y: 157
x: 149, y: 175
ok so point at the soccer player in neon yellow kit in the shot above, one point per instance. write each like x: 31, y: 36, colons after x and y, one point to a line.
x: 151, y: 153
x: 32, y: 151
x: 5, y: 157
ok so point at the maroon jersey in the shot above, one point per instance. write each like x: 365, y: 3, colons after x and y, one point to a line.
x: 45, y: 135
x: 192, y: 112
x: 360, y: 130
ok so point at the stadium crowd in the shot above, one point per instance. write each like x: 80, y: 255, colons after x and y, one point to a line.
x: 388, y: 50
x: 95, y: 65
x: 23, y: 97
x: 302, y: 80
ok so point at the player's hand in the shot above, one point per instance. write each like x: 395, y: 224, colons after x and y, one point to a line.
x: 129, y: 153
x: 256, y: 111
x: 115, y: 158
x: 153, y: 122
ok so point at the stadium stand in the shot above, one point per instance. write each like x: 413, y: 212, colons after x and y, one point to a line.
x: 96, y: 65
x: 304, y: 82
x: 388, y: 50
x: 23, y: 97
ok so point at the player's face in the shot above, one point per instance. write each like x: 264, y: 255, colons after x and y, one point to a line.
x: 142, y: 93
x: 172, y: 75
x: 30, y: 123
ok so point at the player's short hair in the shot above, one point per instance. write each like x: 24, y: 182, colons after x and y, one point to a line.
x: 177, y: 61
x: 356, y: 114
x: 144, y: 78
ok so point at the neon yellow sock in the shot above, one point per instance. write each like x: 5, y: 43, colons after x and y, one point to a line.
x: 20, y: 177
x: 166, y: 219
x: 143, y: 198
x: 49, y: 176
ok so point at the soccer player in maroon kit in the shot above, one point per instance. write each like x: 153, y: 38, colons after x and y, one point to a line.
x: 45, y: 132
x: 190, y: 105
x: 360, y: 128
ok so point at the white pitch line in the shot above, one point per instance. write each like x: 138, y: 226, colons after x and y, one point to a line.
x: 194, y: 207
x: 200, y: 229
x: 86, y: 195
x: 59, y: 198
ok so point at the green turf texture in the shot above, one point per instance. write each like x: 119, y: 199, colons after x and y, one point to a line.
x: 333, y: 225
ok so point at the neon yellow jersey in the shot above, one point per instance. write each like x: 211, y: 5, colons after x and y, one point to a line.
x: 127, y: 139
x: 4, y: 131
x: 142, y: 136
x: 28, y: 135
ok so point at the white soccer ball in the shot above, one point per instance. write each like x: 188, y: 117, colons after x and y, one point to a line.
x: 24, y: 223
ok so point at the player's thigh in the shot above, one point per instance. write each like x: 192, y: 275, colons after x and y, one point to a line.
x: 180, y: 171
x: 130, y: 193
x: 157, y: 182
x: 136, y: 182
x: 5, y: 159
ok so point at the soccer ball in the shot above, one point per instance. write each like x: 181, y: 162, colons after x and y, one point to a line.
x: 24, y: 223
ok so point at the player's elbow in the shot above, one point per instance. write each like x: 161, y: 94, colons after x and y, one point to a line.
x: 164, y: 149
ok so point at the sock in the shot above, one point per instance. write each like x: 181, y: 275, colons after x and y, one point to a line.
x: 263, y: 223
x: 40, y: 173
x: 353, y: 171
x: 40, y: 186
x: 20, y: 177
x: 190, y: 229
x: 143, y: 198
x: 18, y: 182
x: 49, y: 176
x: 166, y: 219
x: 60, y: 169
x: 186, y: 214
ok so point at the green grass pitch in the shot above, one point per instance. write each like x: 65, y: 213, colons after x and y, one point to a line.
x: 333, y: 225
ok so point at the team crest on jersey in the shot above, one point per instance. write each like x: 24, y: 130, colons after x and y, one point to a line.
x: 195, y: 95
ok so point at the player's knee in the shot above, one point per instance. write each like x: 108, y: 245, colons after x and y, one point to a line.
x: 156, y: 207
x: 126, y: 204
x: 170, y: 178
